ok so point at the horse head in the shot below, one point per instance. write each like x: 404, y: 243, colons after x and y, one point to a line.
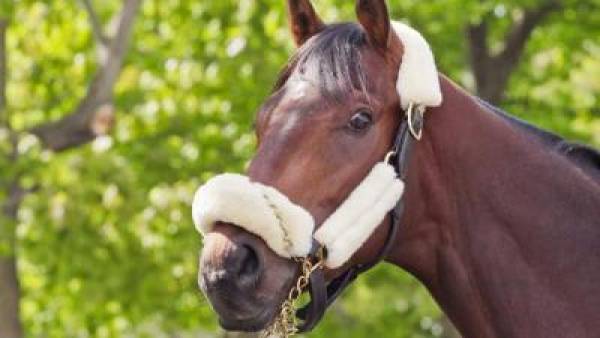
x: 333, y: 114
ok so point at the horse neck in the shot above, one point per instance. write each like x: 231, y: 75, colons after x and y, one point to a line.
x: 501, y: 230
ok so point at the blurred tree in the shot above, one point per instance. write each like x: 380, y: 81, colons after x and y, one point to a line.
x: 102, y: 234
x: 492, y: 65
x: 92, y: 118
x: 492, y: 70
x: 10, y: 325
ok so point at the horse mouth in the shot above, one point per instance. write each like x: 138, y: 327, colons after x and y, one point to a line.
x: 250, y: 324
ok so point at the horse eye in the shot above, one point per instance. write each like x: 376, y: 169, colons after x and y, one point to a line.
x: 360, y: 121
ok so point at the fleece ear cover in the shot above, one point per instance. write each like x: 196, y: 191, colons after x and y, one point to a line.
x: 418, y: 81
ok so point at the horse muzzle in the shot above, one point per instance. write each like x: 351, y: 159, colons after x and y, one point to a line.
x: 249, y: 226
x: 236, y: 281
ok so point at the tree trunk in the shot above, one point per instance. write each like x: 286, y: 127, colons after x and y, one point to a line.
x: 92, y: 118
x: 492, y: 71
x: 10, y: 293
x: 10, y: 324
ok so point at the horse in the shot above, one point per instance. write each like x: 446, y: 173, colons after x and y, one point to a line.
x: 501, y: 220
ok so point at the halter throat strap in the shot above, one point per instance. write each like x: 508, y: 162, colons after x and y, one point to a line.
x: 323, y: 294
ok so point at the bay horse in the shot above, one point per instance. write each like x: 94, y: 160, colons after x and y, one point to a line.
x: 501, y: 221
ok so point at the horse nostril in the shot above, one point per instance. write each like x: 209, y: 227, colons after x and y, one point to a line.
x: 249, y: 265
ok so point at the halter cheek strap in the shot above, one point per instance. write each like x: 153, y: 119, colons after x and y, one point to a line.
x: 322, y: 294
x: 351, y: 224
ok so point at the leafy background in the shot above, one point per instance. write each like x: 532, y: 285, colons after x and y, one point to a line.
x: 104, y: 241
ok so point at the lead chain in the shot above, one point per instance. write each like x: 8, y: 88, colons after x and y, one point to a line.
x: 286, y: 323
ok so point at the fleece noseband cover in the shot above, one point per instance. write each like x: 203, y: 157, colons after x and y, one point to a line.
x: 262, y: 210
x: 286, y: 227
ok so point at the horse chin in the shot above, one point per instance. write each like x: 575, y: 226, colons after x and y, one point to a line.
x: 251, y: 324
x: 241, y: 314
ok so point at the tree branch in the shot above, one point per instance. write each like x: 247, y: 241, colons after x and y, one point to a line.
x: 492, y: 72
x: 97, y: 29
x: 478, y: 49
x: 517, y: 37
x: 94, y: 115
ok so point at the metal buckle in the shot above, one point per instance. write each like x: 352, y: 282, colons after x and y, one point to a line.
x: 415, y: 121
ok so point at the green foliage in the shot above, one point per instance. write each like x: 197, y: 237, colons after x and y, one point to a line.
x: 106, y: 245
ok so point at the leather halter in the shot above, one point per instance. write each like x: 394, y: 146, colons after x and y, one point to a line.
x: 322, y: 294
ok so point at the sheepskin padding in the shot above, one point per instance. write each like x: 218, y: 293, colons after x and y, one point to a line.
x: 355, y: 220
x: 287, y: 228
x: 418, y: 80
x: 262, y: 210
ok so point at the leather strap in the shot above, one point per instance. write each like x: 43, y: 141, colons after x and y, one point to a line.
x: 319, y: 298
x: 323, y: 295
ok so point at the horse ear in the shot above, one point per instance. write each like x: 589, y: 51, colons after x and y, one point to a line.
x: 304, y: 21
x: 374, y: 18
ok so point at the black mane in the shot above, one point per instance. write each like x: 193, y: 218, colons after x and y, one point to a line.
x: 330, y: 60
x: 583, y: 156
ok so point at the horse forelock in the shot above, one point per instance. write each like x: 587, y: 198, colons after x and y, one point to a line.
x: 331, y: 60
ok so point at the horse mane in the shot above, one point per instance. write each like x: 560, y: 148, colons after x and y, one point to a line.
x: 330, y: 60
x: 584, y: 157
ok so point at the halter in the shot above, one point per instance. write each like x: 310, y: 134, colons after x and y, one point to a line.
x: 272, y: 216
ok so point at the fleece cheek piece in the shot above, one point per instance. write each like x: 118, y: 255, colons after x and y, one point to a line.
x: 349, y: 227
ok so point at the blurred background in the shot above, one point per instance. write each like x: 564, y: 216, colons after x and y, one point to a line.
x: 113, y: 112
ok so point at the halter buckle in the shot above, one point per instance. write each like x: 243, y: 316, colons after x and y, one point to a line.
x: 415, y: 120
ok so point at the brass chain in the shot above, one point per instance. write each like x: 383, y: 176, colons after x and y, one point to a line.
x: 286, y: 324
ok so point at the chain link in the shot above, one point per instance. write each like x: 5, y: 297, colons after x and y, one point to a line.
x: 286, y: 323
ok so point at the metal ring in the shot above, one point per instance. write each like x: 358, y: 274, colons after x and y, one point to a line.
x: 416, y: 134
x: 388, y: 156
